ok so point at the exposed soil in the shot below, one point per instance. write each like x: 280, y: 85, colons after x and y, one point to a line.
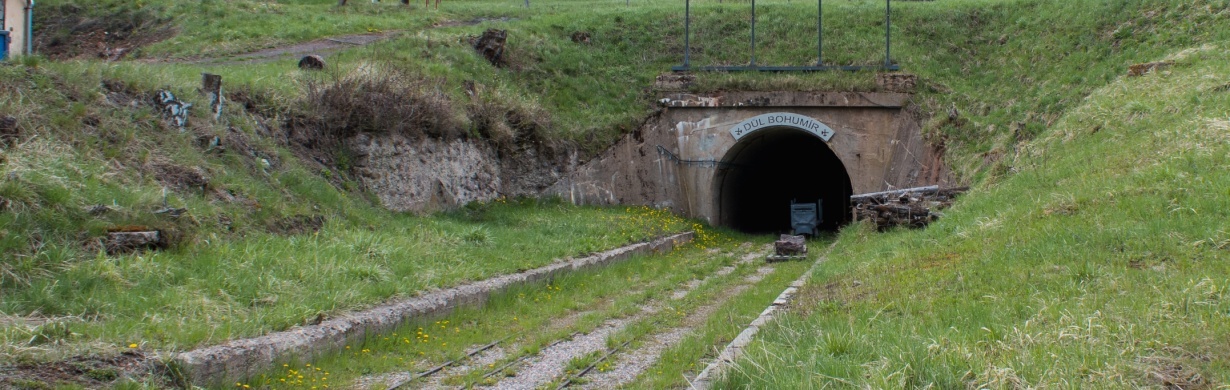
x: 70, y: 31
x: 179, y: 177
x: 298, y: 224
x: 1175, y: 369
x: 92, y: 372
x: 321, y: 47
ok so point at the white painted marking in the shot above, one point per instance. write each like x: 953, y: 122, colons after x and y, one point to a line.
x: 782, y: 119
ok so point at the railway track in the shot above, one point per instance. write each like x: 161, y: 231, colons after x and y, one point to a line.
x: 608, y: 341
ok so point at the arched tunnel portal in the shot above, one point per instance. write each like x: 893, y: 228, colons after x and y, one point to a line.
x: 766, y: 170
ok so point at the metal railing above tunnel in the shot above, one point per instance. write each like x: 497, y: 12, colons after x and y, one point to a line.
x: 888, y: 64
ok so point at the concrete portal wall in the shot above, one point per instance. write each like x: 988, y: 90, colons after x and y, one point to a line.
x: 15, y: 22
x: 877, y: 140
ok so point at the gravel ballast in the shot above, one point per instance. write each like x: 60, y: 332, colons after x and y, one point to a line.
x: 238, y: 359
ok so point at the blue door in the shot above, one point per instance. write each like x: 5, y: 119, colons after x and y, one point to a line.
x: 4, y: 45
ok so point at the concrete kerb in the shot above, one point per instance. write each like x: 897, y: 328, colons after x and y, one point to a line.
x: 239, y: 359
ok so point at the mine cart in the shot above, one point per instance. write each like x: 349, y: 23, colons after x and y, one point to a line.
x: 804, y: 217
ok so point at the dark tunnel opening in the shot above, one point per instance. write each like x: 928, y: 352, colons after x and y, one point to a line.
x: 768, y: 169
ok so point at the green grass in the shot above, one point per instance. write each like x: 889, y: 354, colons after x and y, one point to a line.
x: 689, y: 357
x: 1011, y: 70
x: 230, y: 272
x: 229, y: 288
x: 1099, y: 262
x: 242, y: 260
x: 528, y: 316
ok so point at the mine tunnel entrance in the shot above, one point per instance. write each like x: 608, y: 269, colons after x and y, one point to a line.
x: 767, y: 169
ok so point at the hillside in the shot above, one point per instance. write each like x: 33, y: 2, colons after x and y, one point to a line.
x: 1099, y: 262
x: 271, y: 224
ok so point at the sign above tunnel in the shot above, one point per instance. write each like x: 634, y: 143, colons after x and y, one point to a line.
x: 782, y: 119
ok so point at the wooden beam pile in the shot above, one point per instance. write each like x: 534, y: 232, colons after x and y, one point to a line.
x: 912, y: 207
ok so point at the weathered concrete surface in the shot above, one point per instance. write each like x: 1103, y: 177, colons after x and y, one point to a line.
x: 876, y: 139
x: 429, y: 174
x: 239, y: 359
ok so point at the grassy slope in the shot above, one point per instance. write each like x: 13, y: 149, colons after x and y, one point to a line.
x: 980, y: 57
x: 233, y: 270
x: 1102, y: 262
x: 1000, y: 64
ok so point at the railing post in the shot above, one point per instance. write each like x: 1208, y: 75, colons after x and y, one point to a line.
x: 753, y: 33
x: 888, y: 33
x: 687, y: 31
x: 820, y: 33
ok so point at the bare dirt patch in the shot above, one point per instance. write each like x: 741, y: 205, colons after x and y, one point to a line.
x: 70, y: 31
x: 179, y: 177
x: 1176, y: 372
x: 84, y: 371
x: 298, y: 224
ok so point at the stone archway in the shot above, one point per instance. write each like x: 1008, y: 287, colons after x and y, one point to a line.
x: 774, y: 164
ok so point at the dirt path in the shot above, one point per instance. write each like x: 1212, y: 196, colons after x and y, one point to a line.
x: 321, y: 47
x: 324, y: 47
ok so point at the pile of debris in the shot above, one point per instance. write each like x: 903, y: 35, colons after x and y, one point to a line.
x: 912, y: 207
